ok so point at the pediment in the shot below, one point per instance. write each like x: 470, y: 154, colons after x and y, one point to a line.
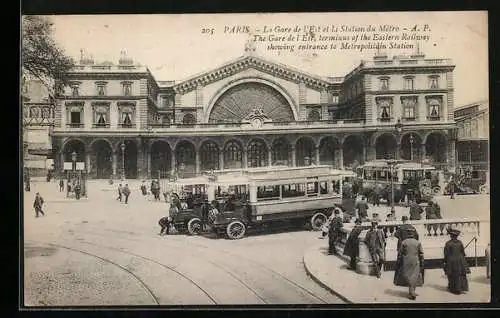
x: 243, y: 63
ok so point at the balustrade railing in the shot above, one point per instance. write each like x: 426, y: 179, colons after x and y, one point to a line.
x: 318, y: 123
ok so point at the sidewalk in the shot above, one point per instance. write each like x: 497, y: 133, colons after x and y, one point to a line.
x: 332, y: 273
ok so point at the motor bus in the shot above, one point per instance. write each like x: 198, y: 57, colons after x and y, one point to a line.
x: 256, y: 197
x: 417, y: 181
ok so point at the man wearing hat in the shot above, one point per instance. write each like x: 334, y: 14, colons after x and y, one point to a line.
x: 415, y: 210
x: 38, y: 204
x: 405, y: 231
x: 334, y: 232
x: 351, y: 248
x: 375, y: 240
x: 376, y: 217
x: 454, y: 264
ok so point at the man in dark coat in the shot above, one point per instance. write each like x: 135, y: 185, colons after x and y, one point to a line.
x: 455, y: 265
x: 409, y: 266
x: 61, y: 185
x: 362, y: 208
x: 78, y: 190
x: 375, y: 240
x: 38, y: 204
x: 126, y: 193
x: 334, y: 232
x: 405, y: 231
x: 120, y: 192
x: 415, y: 210
x: 351, y: 248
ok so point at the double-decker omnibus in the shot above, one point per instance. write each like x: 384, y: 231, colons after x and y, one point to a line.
x: 418, y: 181
x: 255, y: 197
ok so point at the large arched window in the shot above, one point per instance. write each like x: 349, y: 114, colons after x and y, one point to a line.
x: 209, y: 156
x: 257, y: 154
x: 233, y: 155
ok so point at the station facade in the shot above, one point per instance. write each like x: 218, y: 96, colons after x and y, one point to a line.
x: 252, y: 112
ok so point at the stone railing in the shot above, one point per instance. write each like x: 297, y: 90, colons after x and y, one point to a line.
x: 432, y: 234
x: 270, y: 125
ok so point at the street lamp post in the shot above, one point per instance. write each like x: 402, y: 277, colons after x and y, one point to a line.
x: 399, y: 129
x: 122, y: 146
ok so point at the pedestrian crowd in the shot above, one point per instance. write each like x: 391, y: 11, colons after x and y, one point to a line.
x: 410, y: 262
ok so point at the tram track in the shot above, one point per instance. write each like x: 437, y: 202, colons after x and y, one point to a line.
x: 206, y: 258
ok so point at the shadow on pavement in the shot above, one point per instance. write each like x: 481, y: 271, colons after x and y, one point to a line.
x: 438, y: 287
x: 397, y: 293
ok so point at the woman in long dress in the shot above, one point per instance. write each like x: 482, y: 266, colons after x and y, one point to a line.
x: 409, y: 266
x: 455, y: 265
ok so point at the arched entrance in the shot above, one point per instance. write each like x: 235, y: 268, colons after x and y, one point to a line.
x: 77, y: 146
x: 328, y: 147
x: 242, y: 99
x: 209, y: 155
x: 185, y: 159
x: 127, y: 159
x: 385, y: 147
x: 411, y: 144
x: 280, y: 152
x: 161, y: 158
x: 233, y: 155
x: 306, y: 152
x: 102, y: 154
x: 352, y: 150
x: 257, y: 153
x: 436, y: 147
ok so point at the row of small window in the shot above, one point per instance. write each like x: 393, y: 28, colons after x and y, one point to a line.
x: 100, y: 118
x: 296, y: 190
x: 410, y: 110
x: 101, y: 89
x: 409, y: 83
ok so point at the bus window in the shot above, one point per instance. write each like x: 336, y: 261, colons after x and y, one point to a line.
x: 475, y: 174
x: 336, y: 186
x: 395, y: 176
x: 312, y: 188
x: 374, y: 175
x: 268, y: 193
x: 406, y: 174
x: 368, y: 175
x: 292, y: 190
x: 420, y: 174
x: 323, y: 188
x: 381, y: 175
x: 428, y: 175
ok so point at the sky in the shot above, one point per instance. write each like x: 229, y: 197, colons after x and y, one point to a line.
x: 174, y: 47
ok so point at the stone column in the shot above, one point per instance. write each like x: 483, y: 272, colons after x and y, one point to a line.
x: 173, y: 163
x: 451, y: 153
x: 61, y: 156
x: 341, y: 158
x: 197, y: 162
x: 114, y: 164
x: 293, y: 157
x: 422, y: 152
x: 221, y: 160
x: 270, y: 157
x: 87, y: 162
x: 397, y: 154
x: 245, y: 158
x: 148, y: 164
x: 140, y: 159
x: 317, y: 156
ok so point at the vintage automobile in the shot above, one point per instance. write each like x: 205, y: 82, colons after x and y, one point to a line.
x: 399, y: 178
x: 254, y: 198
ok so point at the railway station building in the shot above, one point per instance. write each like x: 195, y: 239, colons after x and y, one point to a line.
x: 253, y: 112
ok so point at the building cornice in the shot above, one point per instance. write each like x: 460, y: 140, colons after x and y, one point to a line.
x: 409, y: 93
x: 243, y: 63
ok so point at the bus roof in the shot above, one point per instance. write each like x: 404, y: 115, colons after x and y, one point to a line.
x: 398, y: 164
